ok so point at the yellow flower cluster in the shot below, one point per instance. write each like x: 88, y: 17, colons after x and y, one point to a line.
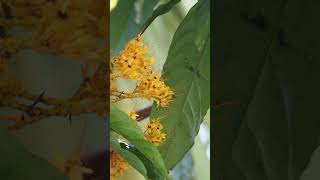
x: 153, y: 129
x: 8, y: 47
x: 71, y: 166
x: 117, y: 165
x: 10, y: 86
x: 133, y: 115
x: 65, y: 27
x: 153, y: 132
x: 133, y: 64
x: 153, y: 88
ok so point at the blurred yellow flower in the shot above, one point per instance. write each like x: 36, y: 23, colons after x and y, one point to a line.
x: 71, y: 166
x: 117, y: 165
x: 133, y: 114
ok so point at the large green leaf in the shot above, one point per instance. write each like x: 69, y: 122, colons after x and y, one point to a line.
x: 132, y: 159
x: 17, y: 163
x: 266, y: 124
x: 187, y: 72
x: 127, y: 20
x: 127, y: 128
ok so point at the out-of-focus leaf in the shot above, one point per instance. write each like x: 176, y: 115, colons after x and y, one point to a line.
x: 266, y: 120
x: 18, y: 163
x: 128, y: 129
x: 162, y: 9
x: 187, y: 72
x: 127, y: 20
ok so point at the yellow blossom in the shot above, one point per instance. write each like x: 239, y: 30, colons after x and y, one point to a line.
x: 153, y: 132
x: 133, y: 115
x: 152, y: 87
x: 71, y: 166
x: 117, y: 165
x: 132, y: 62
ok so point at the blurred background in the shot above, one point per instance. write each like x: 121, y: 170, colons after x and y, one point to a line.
x: 158, y: 36
x: 57, y: 77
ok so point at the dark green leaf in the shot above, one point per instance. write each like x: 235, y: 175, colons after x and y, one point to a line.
x: 127, y: 155
x: 187, y: 72
x: 129, y: 129
x: 153, y: 173
x: 265, y: 66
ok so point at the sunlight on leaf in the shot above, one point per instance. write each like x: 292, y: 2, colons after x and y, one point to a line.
x: 113, y: 4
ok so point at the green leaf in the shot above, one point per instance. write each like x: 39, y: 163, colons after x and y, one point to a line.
x: 153, y: 173
x: 127, y: 128
x: 265, y: 66
x: 18, y: 163
x: 162, y: 9
x: 187, y: 72
x: 127, y: 155
x: 126, y: 21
